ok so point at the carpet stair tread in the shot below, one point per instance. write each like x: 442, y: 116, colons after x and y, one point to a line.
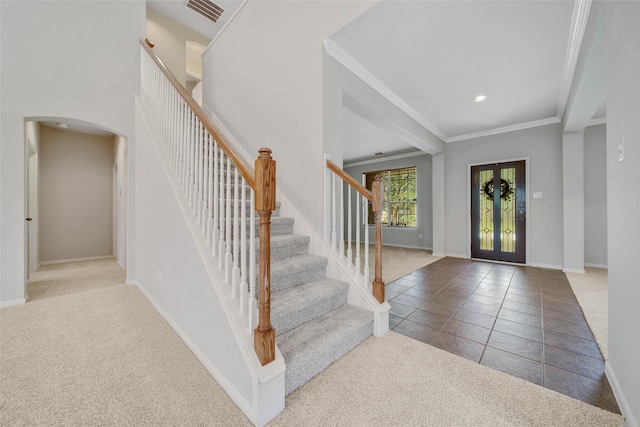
x: 286, y: 246
x: 295, y: 306
x: 311, y: 347
x: 296, y: 270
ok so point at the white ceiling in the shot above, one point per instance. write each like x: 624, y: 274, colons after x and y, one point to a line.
x: 431, y: 58
x: 176, y: 10
x: 363, y: 135
x: 436, y: 56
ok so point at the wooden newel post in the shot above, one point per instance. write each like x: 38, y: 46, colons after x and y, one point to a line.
x: 378, y: 284
x: 264, y: 340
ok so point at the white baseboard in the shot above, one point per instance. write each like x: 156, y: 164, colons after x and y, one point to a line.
x: 605, y: 266
x: 438, y: 255
x: 548, y: 266
x: 465, y: 256
x: 573, y: 270
x: 12, y: 302
x: 64, y: 261
x: 406, y: 246
x: 625, y: 408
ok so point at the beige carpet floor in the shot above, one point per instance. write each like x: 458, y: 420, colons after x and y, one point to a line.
x: 104, y: 356
x: 398, y: 262
x: 592, y: 292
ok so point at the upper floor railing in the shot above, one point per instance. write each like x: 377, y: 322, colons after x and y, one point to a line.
x: 346, y: 241
x: 222, y: 191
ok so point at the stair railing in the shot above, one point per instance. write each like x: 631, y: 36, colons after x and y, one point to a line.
x: 344, y: 190
x: 215, y: 182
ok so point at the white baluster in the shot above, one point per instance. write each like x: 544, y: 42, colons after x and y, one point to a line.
x: 244, y: 291
x: 341, y: 198
x: 357, y: 263
x: 350, y: 231
x: 200, y: 180
x: 222, y: 225
x: 365, y: 221
x: 197, y: 197
x: 209, y: 228
x: 165, y: 109
x: 205, y: 180
x: 180, y: 138
x: 236, y: 233
x: 192, y: 161
x: 334, y: 244
x: 185, y: 150
x: 216, y: 184
x: 228, y: 260
x: 174, y: 130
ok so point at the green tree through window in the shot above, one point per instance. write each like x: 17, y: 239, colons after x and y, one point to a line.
x: 400, y: 196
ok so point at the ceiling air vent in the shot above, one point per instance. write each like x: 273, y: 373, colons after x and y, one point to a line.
x: 206, y: 8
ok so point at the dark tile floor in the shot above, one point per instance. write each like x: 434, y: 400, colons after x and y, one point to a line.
x: 523, y: 321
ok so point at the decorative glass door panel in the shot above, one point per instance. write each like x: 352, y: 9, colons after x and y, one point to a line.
x: 498, y: 212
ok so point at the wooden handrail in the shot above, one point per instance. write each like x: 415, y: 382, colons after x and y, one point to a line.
x: 262, y: 180
x: 244, y: 168
x: 352, y: 182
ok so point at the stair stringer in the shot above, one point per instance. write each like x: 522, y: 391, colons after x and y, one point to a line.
x: 266, y: 399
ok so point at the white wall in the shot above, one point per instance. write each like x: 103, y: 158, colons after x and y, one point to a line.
x: 595, y: 196
x: 543, y: 147
x: 59, y: 59
x: 623, y: 206
x: 169, y: 38
x: 270, y: 59
x: 76, y: 195
x: 573, y: 201
x: 406, y: 236
x: 171, y: 273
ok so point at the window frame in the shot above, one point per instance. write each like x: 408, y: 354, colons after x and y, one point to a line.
x: 388, y: 202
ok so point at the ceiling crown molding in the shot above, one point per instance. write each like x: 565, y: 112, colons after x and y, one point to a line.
x: 505, y: 129
x: 350, y: 63
x: 579, y: 20
x: 384, y: 159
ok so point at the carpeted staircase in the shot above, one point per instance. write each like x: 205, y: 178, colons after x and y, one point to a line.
x: 314, y: 324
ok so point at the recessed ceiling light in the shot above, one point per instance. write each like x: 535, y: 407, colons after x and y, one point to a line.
x: 479, y: 98
x: 63, y: 125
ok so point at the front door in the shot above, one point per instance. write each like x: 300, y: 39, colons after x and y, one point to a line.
x: 498, y: 211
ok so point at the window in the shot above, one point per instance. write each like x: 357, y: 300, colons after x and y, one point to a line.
x: 399, y: 206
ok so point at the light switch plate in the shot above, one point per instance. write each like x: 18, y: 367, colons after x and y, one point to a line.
x: 537, y: 195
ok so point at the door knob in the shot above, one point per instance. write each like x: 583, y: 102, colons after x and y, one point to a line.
x: 29, y: 219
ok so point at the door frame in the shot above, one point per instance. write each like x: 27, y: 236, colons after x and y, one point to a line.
x: 32, y: 258
x: 528, y: 201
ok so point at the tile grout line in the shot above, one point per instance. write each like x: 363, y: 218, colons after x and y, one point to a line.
x: 496, y: 319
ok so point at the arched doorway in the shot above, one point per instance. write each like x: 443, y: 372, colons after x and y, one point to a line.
x: 76, y: 197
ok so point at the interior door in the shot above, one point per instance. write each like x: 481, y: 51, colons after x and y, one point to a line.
x: 498, y: 212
